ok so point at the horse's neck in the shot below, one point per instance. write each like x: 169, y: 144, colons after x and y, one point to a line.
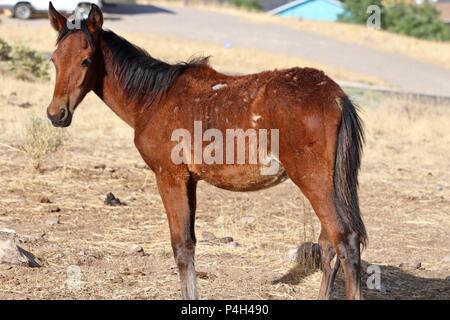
x: 112, y: 93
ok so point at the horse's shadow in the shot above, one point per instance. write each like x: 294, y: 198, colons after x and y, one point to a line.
x: 395, y: 282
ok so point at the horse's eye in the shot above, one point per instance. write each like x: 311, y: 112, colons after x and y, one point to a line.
x: 86, y: 63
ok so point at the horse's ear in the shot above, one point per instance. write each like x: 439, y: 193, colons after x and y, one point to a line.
x: 57, y: 20
x: 95, y: 20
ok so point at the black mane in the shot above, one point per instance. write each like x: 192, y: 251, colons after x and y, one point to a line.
x: 143, y: 77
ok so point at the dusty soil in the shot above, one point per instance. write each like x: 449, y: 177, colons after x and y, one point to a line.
x: 404, y: 197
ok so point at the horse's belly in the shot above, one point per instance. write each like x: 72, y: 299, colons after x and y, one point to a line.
x: 240, y: 177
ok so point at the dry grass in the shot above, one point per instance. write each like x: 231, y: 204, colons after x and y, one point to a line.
x: 406, y: 158
x: 174, y: 49
x: 40, y: 138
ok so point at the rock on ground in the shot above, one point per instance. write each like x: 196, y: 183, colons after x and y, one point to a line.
x: 111, y: 200
x: 11, y: 253
x: 208, y: 236
x: 137, y: 250
x: 410, y: 265
x: 248, y: 220
x: 52, y: 221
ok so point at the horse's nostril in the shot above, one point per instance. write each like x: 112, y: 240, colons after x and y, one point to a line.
x: 62, y: 114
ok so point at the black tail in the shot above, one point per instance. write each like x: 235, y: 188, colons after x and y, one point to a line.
x: 348, y: 160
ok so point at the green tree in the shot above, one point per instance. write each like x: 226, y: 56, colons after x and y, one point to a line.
x: 248, y: 4
x: 420, y: 21
x: 417, y: 21
x: 356, y: 10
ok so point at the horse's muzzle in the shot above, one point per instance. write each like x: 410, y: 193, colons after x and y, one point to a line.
x: 62, y: 119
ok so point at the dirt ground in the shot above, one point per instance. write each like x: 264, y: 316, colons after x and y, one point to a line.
x: 404, y: 197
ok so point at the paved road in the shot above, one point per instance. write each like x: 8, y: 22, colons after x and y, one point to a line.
x: 200, y: 25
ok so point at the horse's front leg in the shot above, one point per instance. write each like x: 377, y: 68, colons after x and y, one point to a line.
x: 179, y: 198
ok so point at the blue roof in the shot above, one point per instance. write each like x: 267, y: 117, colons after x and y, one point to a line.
x: 296, y: 3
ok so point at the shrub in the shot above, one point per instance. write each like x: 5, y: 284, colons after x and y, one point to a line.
x: 356, y: 10
x: 247, y: 4
x: 5, y: 51
x: 420, y: 21
x: 40, y: 138
x: 23, y: 62
x: 28, y: 60
x: 416, y: 21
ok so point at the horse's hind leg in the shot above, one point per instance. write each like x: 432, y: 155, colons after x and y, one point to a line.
x: 327, y: 254
x: 316, y: 183
x: 179, y: 198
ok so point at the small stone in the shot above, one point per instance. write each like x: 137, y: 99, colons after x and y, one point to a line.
x: 232, y: 244
x: 54, y: 209
x: 100, y: 166
x: 408, y: 266
x: 12, y: 254
x: 248, y: 220
x: 111, y: 200
x: 6, y: 234
x: 25, y: 105
x: 202, y: 275
x: 116, y: 279
x: 226, y: 240
x: 52, y: 221
x: 439, y: 187
x: 137, y: 250
x: 44, y: 199
x: 208, y: 236
x: 448, y: 278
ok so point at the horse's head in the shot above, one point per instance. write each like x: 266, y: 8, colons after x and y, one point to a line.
x: 77, y: 63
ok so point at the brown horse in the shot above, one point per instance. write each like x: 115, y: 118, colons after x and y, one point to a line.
x: 320, y: 134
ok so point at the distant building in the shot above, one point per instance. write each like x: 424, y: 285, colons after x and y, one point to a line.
x: 267, y: 5
x: 323, y: 10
